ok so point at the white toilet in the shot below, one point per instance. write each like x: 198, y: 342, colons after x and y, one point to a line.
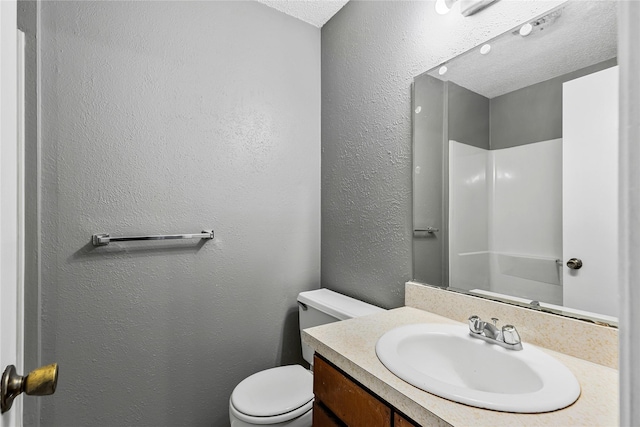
x: 283, y: 396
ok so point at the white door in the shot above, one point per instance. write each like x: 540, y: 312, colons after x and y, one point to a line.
x: 10, y: 201
x: 590, y: 192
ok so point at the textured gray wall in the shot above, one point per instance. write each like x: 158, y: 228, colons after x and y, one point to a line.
x: 371, y: 51
x: 163, y: 117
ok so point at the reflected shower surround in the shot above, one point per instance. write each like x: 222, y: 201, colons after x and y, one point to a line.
x: 505, y: 219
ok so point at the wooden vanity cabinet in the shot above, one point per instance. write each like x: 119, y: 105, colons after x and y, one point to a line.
x: 400, y: 421
x: 341, y: 401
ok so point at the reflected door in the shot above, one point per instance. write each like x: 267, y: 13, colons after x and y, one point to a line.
x: 590, y: 192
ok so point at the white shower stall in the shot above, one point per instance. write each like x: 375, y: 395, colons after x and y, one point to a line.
x: 505, y: 217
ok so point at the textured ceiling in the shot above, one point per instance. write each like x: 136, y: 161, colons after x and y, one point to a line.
x: 315, y: 12
x: 580, y: 34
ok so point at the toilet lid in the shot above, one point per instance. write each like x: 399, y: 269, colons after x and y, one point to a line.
x: 274, y: 391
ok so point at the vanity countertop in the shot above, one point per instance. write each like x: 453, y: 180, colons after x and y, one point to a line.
x: 350, y: 345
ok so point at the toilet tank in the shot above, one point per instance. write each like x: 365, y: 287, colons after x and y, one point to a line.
x: 324, y: 306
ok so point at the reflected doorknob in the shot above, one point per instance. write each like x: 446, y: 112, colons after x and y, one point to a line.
x: 574, y: 263
x: 39, y: 382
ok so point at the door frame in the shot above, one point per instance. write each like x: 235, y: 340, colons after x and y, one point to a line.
x: 629, y: 231
x: 12, y: 198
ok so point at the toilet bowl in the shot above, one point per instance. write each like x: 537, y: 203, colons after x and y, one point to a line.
x: 283, y: 396
x: 280, y: 396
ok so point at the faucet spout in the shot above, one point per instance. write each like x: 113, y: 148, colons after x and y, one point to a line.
x: 506, y: 337
x: 491, y: 331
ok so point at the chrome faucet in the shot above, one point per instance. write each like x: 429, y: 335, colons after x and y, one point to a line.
x: 506, y: 337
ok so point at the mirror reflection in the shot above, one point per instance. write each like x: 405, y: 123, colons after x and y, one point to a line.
x: 515, y: 165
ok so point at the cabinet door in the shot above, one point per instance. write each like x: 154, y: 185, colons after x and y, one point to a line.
x: 351, y: 403
x: 323, y: 418
x: 400, y: 421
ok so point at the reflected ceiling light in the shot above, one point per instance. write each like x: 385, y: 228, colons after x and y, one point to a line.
x: 526, y: 29
x: 444, y: 6
x: 485, y: 49
x: 442, y: 70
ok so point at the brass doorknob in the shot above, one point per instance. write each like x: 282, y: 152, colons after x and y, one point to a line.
x: 39, y: 382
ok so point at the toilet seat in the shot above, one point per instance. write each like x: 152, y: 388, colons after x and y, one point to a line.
x: 282, y: 418
x: 273, y: 396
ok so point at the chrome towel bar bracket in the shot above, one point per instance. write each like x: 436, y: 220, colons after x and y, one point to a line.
x: 104, y: 238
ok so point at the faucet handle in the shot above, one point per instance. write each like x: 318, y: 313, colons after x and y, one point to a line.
x: 476, y: 325
x: 510, y: 335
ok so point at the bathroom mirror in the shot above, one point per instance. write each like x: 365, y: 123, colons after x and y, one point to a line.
x: 515, y: 166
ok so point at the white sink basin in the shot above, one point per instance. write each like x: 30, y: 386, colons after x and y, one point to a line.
x: 444, y: 360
